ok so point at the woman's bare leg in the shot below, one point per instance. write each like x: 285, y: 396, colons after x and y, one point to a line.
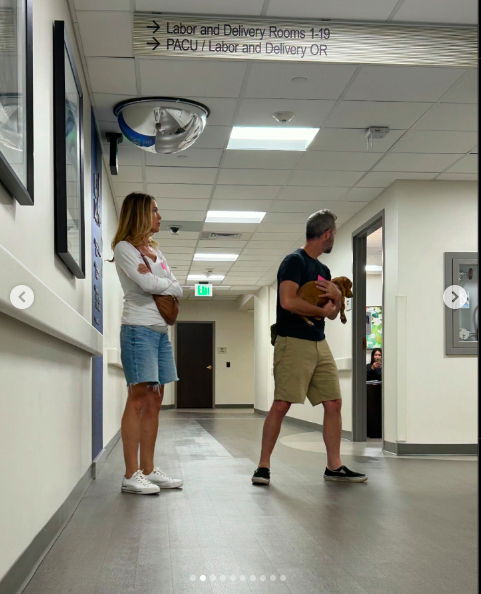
x: 149, y: 425
x: 130, y: 427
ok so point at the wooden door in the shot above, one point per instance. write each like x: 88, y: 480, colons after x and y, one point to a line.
x: 195, y: 364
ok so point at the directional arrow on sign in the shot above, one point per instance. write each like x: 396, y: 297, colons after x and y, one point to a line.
x: 156, y: 44
x: 156, y: 28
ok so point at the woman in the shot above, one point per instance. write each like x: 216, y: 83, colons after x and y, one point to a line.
x: 374, y: 368
x: 146, y: 352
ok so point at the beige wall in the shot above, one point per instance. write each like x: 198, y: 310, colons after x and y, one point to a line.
x: 234, y: 329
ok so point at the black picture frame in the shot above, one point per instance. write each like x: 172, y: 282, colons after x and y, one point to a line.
x: 23, y: 192
x: 63, y: 59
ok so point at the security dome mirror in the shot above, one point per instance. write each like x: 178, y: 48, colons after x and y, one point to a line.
x: 161, y: 124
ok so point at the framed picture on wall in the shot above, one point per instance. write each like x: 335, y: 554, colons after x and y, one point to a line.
x: 16, y: 99
x: 68, y: 151
x: 374, y: 339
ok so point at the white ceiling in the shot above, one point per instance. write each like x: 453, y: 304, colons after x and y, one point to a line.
x: 432, y: 113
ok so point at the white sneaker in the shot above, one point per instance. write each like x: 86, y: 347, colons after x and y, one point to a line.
x: 163, y: 481
x: 139, y: 485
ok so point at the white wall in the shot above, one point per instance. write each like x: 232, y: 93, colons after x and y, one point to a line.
x: 234, y: 329
x: 373, y: 289
x: 45, y: 404
x: 433, y: 401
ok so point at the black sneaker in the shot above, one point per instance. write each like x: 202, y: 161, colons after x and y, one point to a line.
x: 345, y: 475
x: 262, y: 476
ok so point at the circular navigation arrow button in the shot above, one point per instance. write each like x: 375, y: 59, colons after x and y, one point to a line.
x: 22, y: 297
x: 455, y: 297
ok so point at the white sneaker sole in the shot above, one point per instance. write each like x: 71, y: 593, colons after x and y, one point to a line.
x: 138, y: 492
x: 176, y: 486
x: 342, y: 479
x: 260, y: 481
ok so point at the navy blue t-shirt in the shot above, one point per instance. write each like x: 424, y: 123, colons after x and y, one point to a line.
x: 299, y: 268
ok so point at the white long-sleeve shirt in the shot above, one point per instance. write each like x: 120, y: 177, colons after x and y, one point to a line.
x: 139, y: 305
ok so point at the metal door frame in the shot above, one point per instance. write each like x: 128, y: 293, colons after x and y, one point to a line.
x: 359, y: 250
x: 213, y: 355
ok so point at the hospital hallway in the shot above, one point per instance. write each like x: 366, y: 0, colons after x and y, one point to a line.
x: 408, y: 530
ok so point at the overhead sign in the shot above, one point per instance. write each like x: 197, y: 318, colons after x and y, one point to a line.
x: 327, y: 41
x: 204, y: 290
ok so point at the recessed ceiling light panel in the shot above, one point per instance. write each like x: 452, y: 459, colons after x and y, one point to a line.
x: 231, y: 216
x: 215, y: 257
x: 271, y: 138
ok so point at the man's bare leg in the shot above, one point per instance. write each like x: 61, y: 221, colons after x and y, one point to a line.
x: 331, y: 432
x: 272, y: 427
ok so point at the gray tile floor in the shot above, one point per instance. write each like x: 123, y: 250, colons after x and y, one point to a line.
x: 412, y: 529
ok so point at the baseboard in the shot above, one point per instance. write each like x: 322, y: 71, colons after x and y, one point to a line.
x: 307, y: 424
x: 21, y: 572
x: 167, y: 406
x: 431, y: 449
x: 100, y: 460
x: 234, y: 406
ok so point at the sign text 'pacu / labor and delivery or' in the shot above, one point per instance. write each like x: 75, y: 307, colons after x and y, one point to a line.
x: 262, y: 38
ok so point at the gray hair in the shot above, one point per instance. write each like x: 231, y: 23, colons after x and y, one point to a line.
x: 320, y: 222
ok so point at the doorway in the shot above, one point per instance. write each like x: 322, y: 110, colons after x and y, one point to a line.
x: 368, y: 326
x: 195, y: 364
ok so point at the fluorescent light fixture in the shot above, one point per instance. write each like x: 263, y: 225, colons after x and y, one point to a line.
x: 271, y: 138
x: 215, y: 257
x: 373, y: 268
x: 233, y: 216
x: 204, y: 277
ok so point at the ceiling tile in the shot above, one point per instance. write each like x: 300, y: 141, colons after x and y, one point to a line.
x: 435, y: 141
x: 183, y: 78
x: 255, y: 176
x: 417, y: 162
x: 183, y: 235
x: 122, y: 189
x: 402, y: 83
x: 468, y: 164
x: 128, y: 174
x: 246, y: 192
x: 384, y: 179
x: 112, y: 75
x: 179, y: 190
x: 466, y: 91
x: 221, y: 110
x: 286, y: 217
x: 177, y: 250
x: 95, y: 42
x: 230, y: 227
x: 324, y: 178
x: 247, y: 7
x: 213, y: 137
x: 304, y: 206
x: 181, y: 175
x: 127, y: 155
x: 361, y: 194
x: 222, y: 243
x: 450, y: 116
x: 179, y: 259
x: 293, y: 237
x: 191, y: 157
x: 102, y: 5
x: 363, y: 114
x: 181, y: 204
x: 376, y: 10
x: 104, y: 105
x: 280, y: 227
x: 280, y: 246
x: 171, y: 242
x: 241, y: 205
x: 458, y: 177
x: 261, y: 159
x: 258, y: 112
x: 442, y: 11
x: 324, y: 81
x: 344, y: 139
x: 312, y: 193
x: 344, y: 207
x: 183, y: 215
x: 338, y: 161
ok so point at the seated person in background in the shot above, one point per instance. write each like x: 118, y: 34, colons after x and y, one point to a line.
x: 374, y: 368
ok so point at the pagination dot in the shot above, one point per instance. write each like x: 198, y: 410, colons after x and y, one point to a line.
x: 193, y: 578
x: 253, y: 578
x: 283, y: 578
x: 202, y: 578
x: 273, y: 578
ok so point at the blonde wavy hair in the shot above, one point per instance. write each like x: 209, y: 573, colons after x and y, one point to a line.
x: 135, y: 220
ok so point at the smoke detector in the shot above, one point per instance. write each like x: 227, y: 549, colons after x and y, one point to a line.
x: 163, y: 125
x: 375, y: 132
x: 283, y: 116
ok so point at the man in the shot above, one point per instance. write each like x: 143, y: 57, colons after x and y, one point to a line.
x: 303, y: 363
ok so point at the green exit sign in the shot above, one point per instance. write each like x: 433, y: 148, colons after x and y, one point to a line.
x: 204, y: 290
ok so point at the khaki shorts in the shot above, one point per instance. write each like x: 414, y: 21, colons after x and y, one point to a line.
x: 304, y: 368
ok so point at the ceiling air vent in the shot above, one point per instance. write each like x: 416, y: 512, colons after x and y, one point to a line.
x: 208, y: 235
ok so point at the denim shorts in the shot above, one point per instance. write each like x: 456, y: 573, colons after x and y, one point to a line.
x: 147, y: 356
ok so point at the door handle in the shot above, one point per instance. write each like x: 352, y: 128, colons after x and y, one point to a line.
x: 209, y: 367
